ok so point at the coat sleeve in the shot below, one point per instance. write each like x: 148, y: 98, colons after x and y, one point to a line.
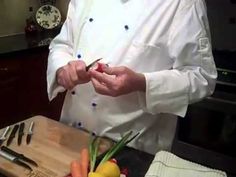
x: 193, y: 73
x: 61, y: 52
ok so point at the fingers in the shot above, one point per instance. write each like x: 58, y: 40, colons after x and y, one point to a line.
x: 72, y: 74
x: 102, y: 78
x: 114, y: 70
x: 64, y: 78
x: 100, y: 88
x: 117, y: 81
x: 105, y: 84
x: 81, y: 71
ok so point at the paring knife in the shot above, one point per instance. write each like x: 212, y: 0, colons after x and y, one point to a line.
x: 14, y: 159
x: 4, y: 135
x: 87, y: 68
x: 30, y: 133
x: 18, y: 155
x: 90, y: 65
x: 13, y: 134
x: 21, y: 132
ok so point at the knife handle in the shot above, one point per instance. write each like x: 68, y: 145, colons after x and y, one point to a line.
x: 31, y: 128
x: 5, y: 132
x: 14, y: 130
x: 21, y: 129
x: 9, y: 151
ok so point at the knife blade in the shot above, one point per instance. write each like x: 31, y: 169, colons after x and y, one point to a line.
x: 18, y: 155
x: 13, y: 134
x: 14, y: 159
x: 4, y: 135
x: 21, y: 132
x: 30, y: 133
x: 91, y: 64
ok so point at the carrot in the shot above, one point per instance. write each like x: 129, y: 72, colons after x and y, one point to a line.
x: 84, y: 159
x: 75, y: 169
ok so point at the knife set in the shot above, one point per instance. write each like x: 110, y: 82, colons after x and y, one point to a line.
x: 11, y: 155
x: 13, y: 134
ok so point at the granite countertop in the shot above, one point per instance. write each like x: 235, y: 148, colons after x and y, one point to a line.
x: 22, y: 42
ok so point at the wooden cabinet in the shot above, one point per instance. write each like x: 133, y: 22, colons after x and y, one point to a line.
x: 23, y: 87
x: 9, y: 90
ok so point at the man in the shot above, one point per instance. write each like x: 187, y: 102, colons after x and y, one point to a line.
x: 159, y: 58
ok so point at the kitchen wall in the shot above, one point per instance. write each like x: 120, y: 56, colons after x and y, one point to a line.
x: 13, y: 14
x: 221, y: 13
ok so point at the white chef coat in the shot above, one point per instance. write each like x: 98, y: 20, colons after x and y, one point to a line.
x: 166, y: 40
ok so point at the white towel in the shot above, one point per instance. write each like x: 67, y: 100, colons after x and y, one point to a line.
x: 166, y: 164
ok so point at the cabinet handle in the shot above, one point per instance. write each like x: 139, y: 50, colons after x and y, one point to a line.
x: 9, y: 81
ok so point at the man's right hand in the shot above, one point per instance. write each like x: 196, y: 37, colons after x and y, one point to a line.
x: 72, y: 74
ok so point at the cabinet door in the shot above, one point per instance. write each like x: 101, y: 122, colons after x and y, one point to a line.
x: 23, y: 88
x: 34, y: 89
x: 9, y: 91
x: 34, y: 84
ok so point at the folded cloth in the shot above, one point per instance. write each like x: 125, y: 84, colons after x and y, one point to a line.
x: 166, y: 164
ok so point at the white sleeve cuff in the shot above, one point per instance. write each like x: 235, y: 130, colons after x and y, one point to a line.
x: 166, y: 92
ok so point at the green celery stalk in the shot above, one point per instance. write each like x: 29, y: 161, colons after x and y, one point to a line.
x: 93, y: 149
x: 118, y: 146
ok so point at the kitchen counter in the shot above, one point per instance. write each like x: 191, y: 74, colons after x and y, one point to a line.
x: 18, y: 43
x: 53, y: 146
x: 53, y: 150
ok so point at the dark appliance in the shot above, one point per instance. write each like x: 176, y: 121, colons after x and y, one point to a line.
x: 207, y: 134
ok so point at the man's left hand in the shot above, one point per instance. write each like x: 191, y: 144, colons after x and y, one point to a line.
x: 116, y: 81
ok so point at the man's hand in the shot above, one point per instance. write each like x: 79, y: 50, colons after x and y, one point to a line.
x: 72, y: 74
x: 116, y: 81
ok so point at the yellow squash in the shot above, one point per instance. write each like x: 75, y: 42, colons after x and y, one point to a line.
x: 108, y: 169
x: 94, y: 174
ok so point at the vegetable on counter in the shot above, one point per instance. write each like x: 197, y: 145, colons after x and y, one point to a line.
x: 107, y: 167
x: 80, y: 168
x: 84, y: 161
x: 75, y: 169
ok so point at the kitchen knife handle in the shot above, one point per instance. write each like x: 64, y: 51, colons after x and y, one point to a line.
x: 5, y: 132
x: 9, y: 151
x: 14, y: 159
x: 18, y: 155
x: 13, y: 133
x: 21, y: 129
x: 31, y: 128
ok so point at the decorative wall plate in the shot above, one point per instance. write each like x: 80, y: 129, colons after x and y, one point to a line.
x: 48, y: 16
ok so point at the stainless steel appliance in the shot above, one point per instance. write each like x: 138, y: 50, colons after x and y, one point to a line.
x: 208, y: 132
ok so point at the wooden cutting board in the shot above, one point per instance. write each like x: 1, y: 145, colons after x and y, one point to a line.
x: 53, y: 146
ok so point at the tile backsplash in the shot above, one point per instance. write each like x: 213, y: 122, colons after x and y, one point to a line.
x: 13, y: 14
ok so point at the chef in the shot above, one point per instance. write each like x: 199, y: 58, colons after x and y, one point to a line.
x: 156, y: 57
